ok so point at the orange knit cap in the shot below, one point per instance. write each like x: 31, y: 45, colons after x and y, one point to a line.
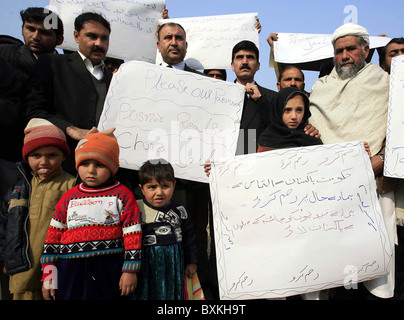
x: 100, y: 146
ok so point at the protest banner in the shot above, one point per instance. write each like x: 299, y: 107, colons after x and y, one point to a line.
x: 182, y: 117
x: 132, y: 23
x: 394, y: 156
x: 295, y: 221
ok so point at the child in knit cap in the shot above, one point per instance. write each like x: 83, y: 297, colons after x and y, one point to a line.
x: 94, y: 239
x: 32, y: 200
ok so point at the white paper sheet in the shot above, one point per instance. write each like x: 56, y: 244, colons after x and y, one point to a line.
x: 394, y: 156
x: 212, y: 38
x: 303, y: 47
x: 294, y: 221
x: 183, y: 117
x: 133, y: 25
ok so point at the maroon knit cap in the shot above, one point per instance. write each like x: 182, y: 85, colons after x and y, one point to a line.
x: 41, y: 133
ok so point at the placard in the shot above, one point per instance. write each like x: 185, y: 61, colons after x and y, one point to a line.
x: 302, y: 47
x: 394, y: 156
x: 295, y: 221
x: 182, y: 117
x: 132, y: 23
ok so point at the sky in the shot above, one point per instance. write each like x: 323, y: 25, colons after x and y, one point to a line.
x: 304, y: 16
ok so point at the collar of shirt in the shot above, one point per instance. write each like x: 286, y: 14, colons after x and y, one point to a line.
x: 242, y: 85
x: 96, y: 71
x: 179, y: 66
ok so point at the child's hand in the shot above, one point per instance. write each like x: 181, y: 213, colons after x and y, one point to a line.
x: 48, y: 292
x: 190, y: 270
x: 128, y: 283
x: 206, y: 166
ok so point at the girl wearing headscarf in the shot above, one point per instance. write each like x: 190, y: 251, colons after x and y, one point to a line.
x: 288, y: 120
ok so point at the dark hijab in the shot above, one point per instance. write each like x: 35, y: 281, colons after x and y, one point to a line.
x: 277, y: 135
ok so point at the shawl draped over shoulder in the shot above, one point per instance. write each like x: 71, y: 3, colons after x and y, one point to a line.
x: 353, y: 109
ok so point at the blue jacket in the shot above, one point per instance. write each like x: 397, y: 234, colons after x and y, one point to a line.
x: 14, y: 217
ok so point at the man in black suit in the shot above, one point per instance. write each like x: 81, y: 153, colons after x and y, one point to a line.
x: 258, y: 100
x: 42, y: 31
x: 172, y: 45
x: 69, y: 90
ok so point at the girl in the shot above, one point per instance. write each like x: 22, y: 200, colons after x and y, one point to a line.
x: 288, y: 119
x: 169, y: 244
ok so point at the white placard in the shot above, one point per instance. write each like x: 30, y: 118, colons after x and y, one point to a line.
x: 133, y: 25
x: 211, y: 39
x: 294, y: 221
x: 394, y: 156
x: 183, y: 117
x: 303, y: 47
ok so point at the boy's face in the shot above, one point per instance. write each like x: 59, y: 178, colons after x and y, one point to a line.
x: 158, y: 194
x: 93, y: 173
x: 293, y: 112
x: 45, y: 161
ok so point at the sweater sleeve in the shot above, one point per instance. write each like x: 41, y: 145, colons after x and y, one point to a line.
x: 132, y: 234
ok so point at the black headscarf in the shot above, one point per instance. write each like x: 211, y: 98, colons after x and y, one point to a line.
x: 277, y: 135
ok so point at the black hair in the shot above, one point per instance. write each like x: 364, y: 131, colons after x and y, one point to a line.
x: 90, y: 16
x: 170, y: 24
x: 222, y: 71
x: 158, y: 169
x: 287, y: 67
x: 382, y: 53
x: 39, y: 14
x: 245, y: 45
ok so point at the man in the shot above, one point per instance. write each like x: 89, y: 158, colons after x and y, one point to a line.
x: 394, y: 48
x: 219, y: 74
x: 291, y: 76
x: 172, y: 45
x: 387, y: 185
x: 258, y: 100
x: 351, y: 103
x: 41, y: 36
x: 69, y: 90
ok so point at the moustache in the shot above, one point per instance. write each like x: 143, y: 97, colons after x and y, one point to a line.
x: 98, y: 49
x: 245, y: 66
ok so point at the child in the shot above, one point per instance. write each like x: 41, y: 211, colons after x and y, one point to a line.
x: 287, y: 122
x: 40, y: 184
x: 169, y: 242
x: 94, y: 238
x: 288, y: 119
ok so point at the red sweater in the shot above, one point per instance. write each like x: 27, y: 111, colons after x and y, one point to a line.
x: 89, y: 222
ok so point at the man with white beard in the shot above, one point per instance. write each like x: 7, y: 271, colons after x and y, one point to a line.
x: 351, y: 104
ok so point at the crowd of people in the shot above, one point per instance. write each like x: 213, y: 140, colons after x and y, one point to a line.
x: 74, y: 225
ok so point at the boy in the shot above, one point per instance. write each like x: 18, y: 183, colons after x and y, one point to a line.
x: 40, y: 184
x: 94, y: 239
x: 169, y: 245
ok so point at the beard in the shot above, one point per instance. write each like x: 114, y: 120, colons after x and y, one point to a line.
x: 350, y: 71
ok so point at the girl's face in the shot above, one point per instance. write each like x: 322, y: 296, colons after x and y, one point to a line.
x: 293, y: 112
x: 158, y: 194
x: 93, y: 173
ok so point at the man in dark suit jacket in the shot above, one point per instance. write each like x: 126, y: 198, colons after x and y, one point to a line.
x: 258, y: 100
x: 69, y: 90
x: 172, y: 45
x: 40, y: 37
